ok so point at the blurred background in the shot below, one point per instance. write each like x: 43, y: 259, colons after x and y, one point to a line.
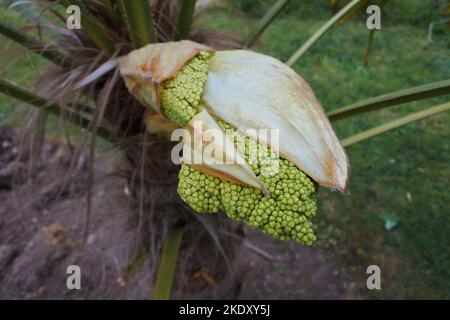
x: 396, y: 215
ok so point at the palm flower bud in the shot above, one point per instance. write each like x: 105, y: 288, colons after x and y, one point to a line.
x: 233, y: 92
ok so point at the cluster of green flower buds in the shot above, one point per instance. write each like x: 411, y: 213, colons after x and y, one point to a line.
x: 284, y: 213
x: 181, y: 94
x: 235, y: 92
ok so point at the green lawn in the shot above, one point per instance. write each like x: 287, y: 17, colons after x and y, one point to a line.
x: 404, y: 173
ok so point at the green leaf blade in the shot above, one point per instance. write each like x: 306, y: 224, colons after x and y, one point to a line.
x: 35, y: 45
x: 94, y: 28
x: 11, y: 89
x: 164, y: 280
x: 265, y: 22
x: 184, y: 19
x: 417, y: 116
x: 137, y: 16
x: 321, y: 31
x: 392, y: 99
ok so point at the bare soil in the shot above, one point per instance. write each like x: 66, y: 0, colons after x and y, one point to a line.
x: 42, y: 221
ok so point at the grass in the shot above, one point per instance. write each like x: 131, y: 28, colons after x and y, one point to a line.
x: 404, y: 172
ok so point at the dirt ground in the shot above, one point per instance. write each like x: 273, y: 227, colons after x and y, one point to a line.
x: 40, y: 227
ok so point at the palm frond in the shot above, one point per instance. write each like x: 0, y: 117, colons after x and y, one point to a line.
x: 265, y: 22
x: 420, y: 115
x: 369, y: 47
x: 392, y: 99
x: 93, y: 27
x: 370, y: 40
x: 137, y: 16
x: 320, y: 32
x: 352, y: 12
x: 35, y: 45
x: 28, y: 10
x: 163, y: 286
x: 184, y: 19
x: 11, y: 89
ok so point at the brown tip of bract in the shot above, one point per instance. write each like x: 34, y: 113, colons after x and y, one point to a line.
x: 146, y: 68
x: 157, y: 123
x: 160, y: 61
